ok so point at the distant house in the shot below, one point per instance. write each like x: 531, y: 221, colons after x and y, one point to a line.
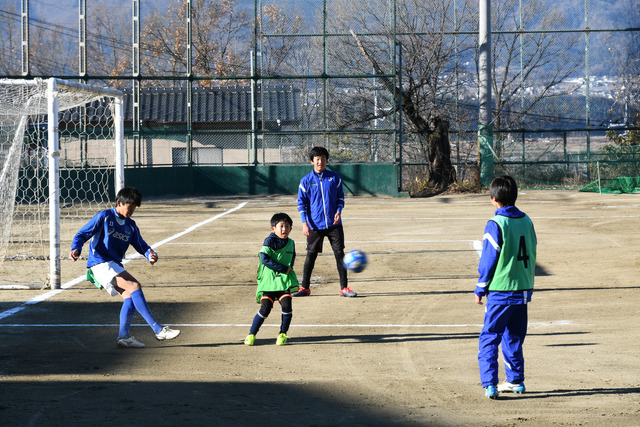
x: 216, y: 108
x: 221, y: 123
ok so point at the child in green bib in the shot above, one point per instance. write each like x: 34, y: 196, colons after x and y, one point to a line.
x: 276, y: 278
x: 507, y: 269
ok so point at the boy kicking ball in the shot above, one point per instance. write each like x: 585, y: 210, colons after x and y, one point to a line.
x: 111, y: 232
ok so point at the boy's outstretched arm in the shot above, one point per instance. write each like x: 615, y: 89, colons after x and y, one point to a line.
x: 142, y: 247
x: 84, y: 234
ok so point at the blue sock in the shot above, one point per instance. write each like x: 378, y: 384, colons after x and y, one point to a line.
x: 140, y: 303
x: 286, y: 322
x: 126, y: 315
x: 257, y: 322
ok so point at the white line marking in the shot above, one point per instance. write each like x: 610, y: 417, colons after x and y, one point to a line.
x: 79, y: 279
x: 347, y: 241
x: 225, y: 325
x: 554, y: 324
x: 348, y: 218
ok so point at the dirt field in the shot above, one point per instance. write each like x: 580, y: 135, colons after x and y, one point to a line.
x: 402, y: 353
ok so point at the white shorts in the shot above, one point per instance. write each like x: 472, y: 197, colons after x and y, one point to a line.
x: 105, y: 273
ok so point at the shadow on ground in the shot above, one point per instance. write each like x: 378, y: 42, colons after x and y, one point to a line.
x: 178, y: 404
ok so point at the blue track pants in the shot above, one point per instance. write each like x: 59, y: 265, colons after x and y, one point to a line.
x: 506, y: 324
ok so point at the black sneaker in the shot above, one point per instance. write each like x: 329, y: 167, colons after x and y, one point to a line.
x: 302, y: 292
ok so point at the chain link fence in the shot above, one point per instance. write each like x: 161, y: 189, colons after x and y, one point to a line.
x: 261, y: 82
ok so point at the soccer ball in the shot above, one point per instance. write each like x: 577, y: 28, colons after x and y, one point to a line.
x: 355, y: 261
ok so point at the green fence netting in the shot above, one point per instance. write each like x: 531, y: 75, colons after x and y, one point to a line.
x: 621, y: 184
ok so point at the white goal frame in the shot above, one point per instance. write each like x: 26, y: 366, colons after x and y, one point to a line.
x: 53, y: 112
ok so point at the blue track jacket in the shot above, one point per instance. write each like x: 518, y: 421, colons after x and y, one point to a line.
x: 320, y: 196
x: 491, y: 246
x: 110, y: 236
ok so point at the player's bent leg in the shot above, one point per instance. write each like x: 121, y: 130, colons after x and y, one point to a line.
x: 287, y: 313
x: 266, y: 304
x: 126, y: 284
x: 305, y: 286
x: 342, y: 272
x: 309, y: 264
x: 126, y: 315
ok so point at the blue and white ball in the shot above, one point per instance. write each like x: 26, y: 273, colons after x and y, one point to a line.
x: 355, y: 261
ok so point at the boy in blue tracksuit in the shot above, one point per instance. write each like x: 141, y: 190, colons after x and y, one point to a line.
x: 320, y: 203
x: 111, y: 232
x: 506, y: 268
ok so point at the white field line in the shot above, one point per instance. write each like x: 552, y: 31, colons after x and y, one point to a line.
x: 224, y: 325
x: 553, y: 324
x: 79, y: 279
x: 348, y: 218
x: 346, y: 241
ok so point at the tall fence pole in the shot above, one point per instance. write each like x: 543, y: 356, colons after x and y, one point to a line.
x: 485, y: 119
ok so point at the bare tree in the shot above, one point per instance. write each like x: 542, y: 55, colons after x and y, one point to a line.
x: 10, y: 40
x: 528, y: 69
x: 287, y: 55
x: 47, y: 56
x: 428, y: 70
x: 220, y: 37
x: 109, y: 43
x: 627, y: 86
x: 282, y: 54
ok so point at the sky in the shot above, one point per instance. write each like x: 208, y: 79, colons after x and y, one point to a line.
x: 603, y: 13
x: 66, y: 11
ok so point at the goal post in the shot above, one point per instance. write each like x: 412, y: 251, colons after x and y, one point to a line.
x: 61, y: 161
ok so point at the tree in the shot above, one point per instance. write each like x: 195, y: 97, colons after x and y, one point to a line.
x: 283, y: 55
x: 528, y: 69
x: 428, y: 68
x: 220, y: 39
x: 109, y: 48
x: 625, y: 53
x: 628, y: 138
x: 47, y: 56
x: 10, y: 40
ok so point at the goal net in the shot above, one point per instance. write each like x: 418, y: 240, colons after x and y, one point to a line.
x: 61, y: 161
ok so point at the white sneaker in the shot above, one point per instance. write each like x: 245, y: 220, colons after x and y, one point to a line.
x: 167, y: 333
x: 510, y: 387
x: 129, y: 342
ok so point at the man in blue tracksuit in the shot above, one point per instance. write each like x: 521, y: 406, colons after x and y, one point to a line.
x: 320, y: 203
x: 506, y: 268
